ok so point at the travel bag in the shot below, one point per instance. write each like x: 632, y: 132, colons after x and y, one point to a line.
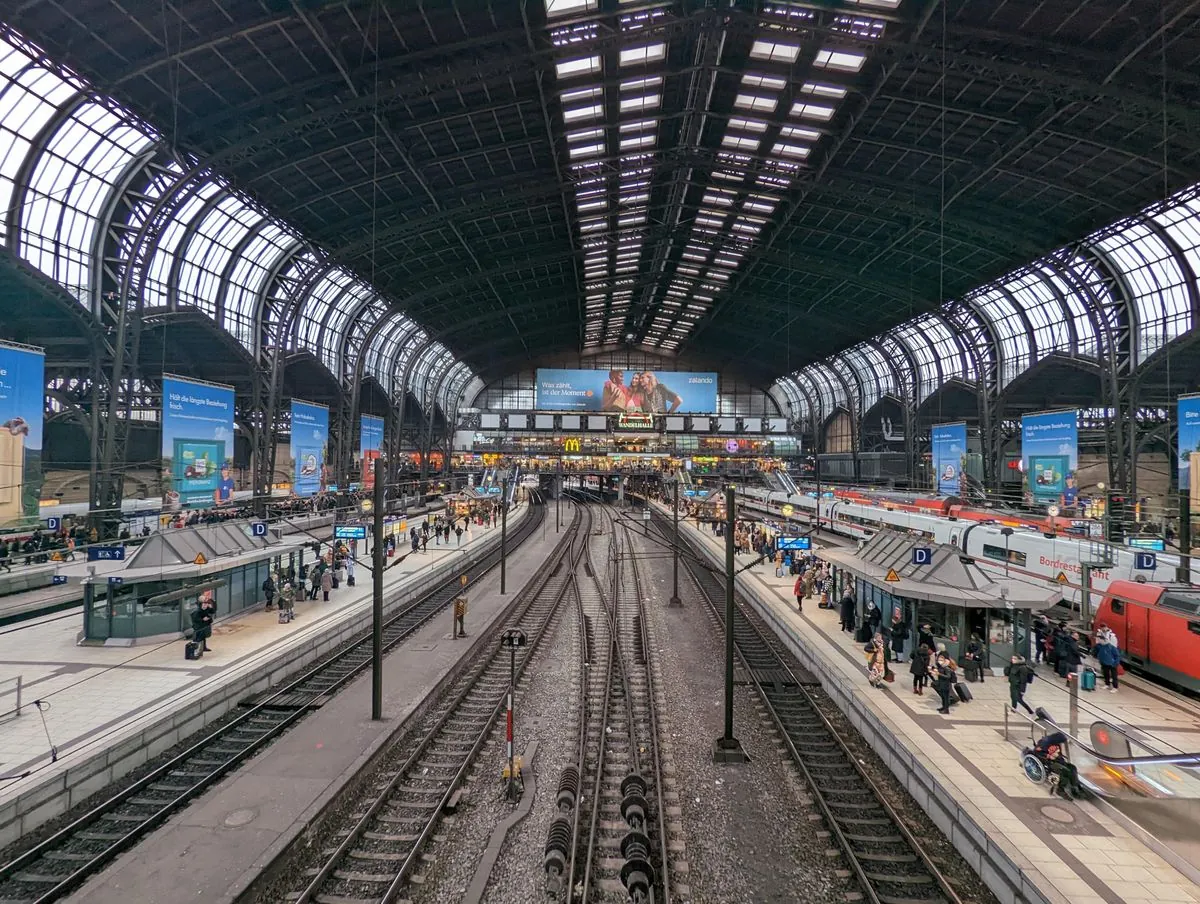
x: 1087, y: 680
x: 962, y: 692
x: 192, y: 650
x: 863, y: 634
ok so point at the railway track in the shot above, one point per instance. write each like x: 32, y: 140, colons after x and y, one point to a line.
x: 888, y: 862
x: 609, y: 842
x: 69, y: 857
x: 379, y: 850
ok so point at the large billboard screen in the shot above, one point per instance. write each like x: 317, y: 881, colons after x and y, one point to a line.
x: 949, y: 457
x: 649, y: 391
x: 197, y: 444
x: 22, y: 394
x: 1189, y: 449
x: 1050, y: 457
x: 309, y: 447
x: 370, y: 441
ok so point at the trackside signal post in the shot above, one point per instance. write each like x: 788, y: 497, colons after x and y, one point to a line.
x: 727, y: 748
x: 377, y: 551
x: 512, y: 639
x: 675, y: 601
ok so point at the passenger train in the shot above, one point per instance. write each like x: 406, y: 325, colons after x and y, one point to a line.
x: 1157, y: 627
x: 1039, y: 547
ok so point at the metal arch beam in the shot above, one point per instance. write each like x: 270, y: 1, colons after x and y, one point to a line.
x: 189, y: 233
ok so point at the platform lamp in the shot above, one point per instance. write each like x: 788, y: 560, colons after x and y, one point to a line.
x: 727, y: 748
x: 675, y: 601
x: 1006, y: 532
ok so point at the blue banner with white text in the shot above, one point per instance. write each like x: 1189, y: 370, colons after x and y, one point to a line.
x: 369, y: 443
x: 1050, y: 457
x: 949, y: 442
x: 197, y: 444
x: 310, y: 447
x: 644, y: 391
x: 1189, y: 449
x: 22, y: 395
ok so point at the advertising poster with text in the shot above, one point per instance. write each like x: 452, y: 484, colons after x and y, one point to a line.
x: 1189, y: 449
x: 1050, y: 457
x: 370, y: 441
x: 22, y: 394
x: 645, y: 391
x: 949, y: 457
x: 310, y: 447
x: 197, y: 444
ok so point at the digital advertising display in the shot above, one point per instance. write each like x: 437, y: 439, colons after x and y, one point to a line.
x: 1188, y: 407
x: 795, y: 543
x: 197, y: 444
x: 949, y: 448
x: 627, y: 391
x: 370, y: 441
x: 1050, y: 457
x: 22, y: 394
x: 309, y: 447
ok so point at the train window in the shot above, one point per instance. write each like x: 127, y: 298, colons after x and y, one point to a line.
x: 1194, y: 627
x: 1118, y: 607
x: 1015, y: 557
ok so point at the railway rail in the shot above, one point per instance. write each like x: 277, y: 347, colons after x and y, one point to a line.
x: 609, y: 842
x: 80, y: 849
x: 381, y: 847
x: 889, y: 863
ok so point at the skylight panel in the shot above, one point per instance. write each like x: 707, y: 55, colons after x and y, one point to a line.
x: 822, y: 89
x: 718, y: 196
x: 556, y: 8
x: 759, y: 206
x: 586, y: 150
x: 577, y: 67
x: 748, y: 125
x: 639, y: 125
x: 813, y: 111
x: 799, y: 132
x: 569, y: 97
x: 841, y: 60
x: 784, y: 149
x: 640, y: 56
x: 758, y: 102
x: 640, y: 198
x: 714, y: 222
x: 771, y: 83
x: 741, y: 142
x: 640, y: 103
x: 878, y: 4
x: 859, y: 26
x: 775, y: 52
x: 585, y: 134
x: 598, y: 204
x: 576, y: 114
x: 632, y: 220
x: 641, y: 84
x: 637, y: 141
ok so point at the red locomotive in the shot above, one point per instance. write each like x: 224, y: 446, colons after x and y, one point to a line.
x: 1158, y: 627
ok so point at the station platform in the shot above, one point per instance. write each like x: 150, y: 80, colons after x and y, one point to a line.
x: 966, y: 773
x: 107, y: 710
x: 212, y: 850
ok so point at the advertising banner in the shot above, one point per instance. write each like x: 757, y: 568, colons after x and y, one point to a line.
x: 651, y: 392
x: 1189, y: 449
x: 309, y: 448
x: 370, y: 441
x: 1050, y: 457
x: 949, y: 457
x: 22, y: 395
x: 197, y: 444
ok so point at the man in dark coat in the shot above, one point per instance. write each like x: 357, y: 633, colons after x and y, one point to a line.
x: 847, y: 612
x: 202, y: 619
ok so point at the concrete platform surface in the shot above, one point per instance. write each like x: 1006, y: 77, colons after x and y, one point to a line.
x: 215, y: 848
x: 98, y: 698
x: 1064, y: 852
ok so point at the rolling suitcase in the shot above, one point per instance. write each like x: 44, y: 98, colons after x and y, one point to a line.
x: 863, y: 634
x: 962, y: 692
x: 285, y: 616
x: 971, y: 670
x: 192, y: 650
x: 1087, y: 681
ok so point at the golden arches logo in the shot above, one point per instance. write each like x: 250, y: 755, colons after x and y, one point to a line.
x: 571, y: 445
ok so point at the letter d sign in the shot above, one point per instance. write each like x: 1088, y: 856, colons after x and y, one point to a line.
x: 258, y: 528
x: 922, y: 555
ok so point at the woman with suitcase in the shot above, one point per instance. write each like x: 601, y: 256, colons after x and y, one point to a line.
x: 944, y: 680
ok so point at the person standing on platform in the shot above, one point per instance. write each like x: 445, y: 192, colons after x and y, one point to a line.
x: 1108, y: 653
x: 1019, y: 675
x: 944, y: 680
x: 1041, y: 630
x: 268, y: 588
x: 975, y: 658
x: 925, y: 636
x: 919, y: 669
x: 460, y: 614
x: 874, y: 617
x: 314, y: 579
x: 287, y: 599
x: 798, y: 591
x: 847, y: 612
x: 458, y: 532
x: 202, y: 619
x: 899, y: 637
x: 876, y: 661
x: 326, y: 582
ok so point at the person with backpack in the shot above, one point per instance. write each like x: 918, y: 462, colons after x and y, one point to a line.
x: 268, y: 588
x: 1019, y: 676
x: 1108, y: 653
x: 919, y: 669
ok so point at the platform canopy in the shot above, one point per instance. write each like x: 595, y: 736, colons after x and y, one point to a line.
x: 950, y: 577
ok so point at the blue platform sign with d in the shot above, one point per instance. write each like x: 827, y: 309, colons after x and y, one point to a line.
x: 53, y: 524
x: 1050, y: 457
x: 258, y: 528
x: 922, y: 555
x: 949, y: 450
x: 1145, y: 561
x: 197, y: 444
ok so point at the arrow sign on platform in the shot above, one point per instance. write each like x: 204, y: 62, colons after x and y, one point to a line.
x: 114, y: 580
x: 1145, y: 561
x: 922, y: 555
x: 892, y: 577
x: 58, y: 579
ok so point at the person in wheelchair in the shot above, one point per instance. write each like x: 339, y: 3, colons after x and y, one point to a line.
x: 1051, y: 753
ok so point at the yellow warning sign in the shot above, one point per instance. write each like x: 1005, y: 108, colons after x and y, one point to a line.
x: 892, y: 577
x: 200, y: 559
x: 462, y: 579
x: 787, y: 511
x: 1062, y: 578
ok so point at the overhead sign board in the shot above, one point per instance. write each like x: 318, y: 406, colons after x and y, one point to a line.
x: 106, y: 554
x: 258, y: 528
x: 1145, y: 561
x: 922, y: 555
x: 627, y: 391
x: 116, y: 580
x: 1154, y: 544
x: 795, y: 543
x: 349, y: 532
x: 53, y: 524
x: 58, y: 579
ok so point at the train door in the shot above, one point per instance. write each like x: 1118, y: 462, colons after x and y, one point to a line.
x: 1137, y: 635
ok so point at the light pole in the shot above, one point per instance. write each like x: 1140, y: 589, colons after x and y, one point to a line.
x: 727, y: 748
x: 503, y: 532
x: 377, y: 595
x: 1007, y: 532
x: 675, y: 601
x: 558, y: 498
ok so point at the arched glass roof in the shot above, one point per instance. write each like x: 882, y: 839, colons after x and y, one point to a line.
x: 66, y: 157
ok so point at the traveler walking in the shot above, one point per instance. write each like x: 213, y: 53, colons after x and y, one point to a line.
x: 1019, y: 675
x: 798, y: 591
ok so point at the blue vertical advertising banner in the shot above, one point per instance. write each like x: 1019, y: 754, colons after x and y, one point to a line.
x: 949, y: 448
x: 197, y: 444
x: 370, y: 441
x: 310, y: 447
x: 22, y: 403
x: 1050, y: 457
x: 1188, y: 407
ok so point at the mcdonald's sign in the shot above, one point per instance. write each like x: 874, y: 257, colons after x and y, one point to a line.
x: 571, y: 444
